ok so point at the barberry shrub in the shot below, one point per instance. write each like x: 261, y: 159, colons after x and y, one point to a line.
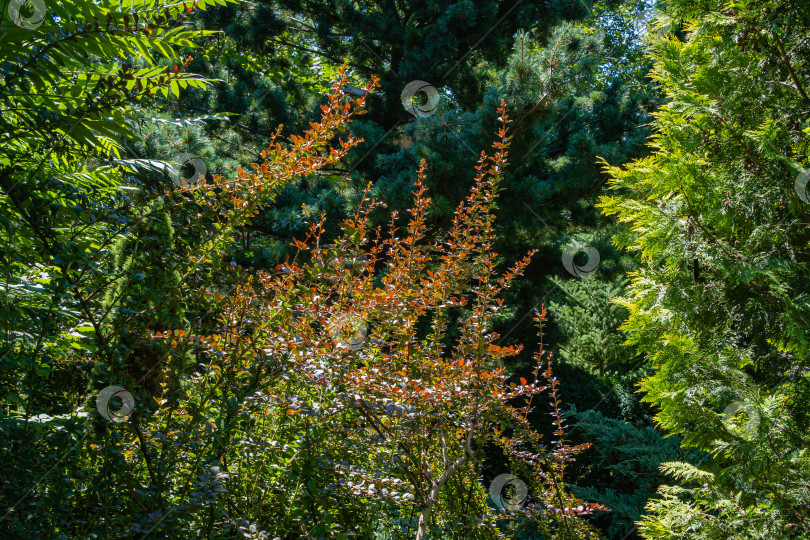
x: 352, y: 390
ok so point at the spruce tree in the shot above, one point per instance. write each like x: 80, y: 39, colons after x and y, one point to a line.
x: 590, y: 319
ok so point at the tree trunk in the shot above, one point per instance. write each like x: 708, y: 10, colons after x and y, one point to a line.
x: 433, y: 496
x: 424, y: 519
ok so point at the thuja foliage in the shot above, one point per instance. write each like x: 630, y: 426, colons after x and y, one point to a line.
x: 717, y: 217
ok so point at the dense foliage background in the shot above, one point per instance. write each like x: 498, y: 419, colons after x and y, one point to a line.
x: 383, y: 269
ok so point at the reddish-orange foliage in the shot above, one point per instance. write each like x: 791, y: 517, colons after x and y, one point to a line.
x: 227, y: 204
x: 356, y: 336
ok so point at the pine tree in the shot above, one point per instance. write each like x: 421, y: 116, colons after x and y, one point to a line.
x: 574, y: 98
